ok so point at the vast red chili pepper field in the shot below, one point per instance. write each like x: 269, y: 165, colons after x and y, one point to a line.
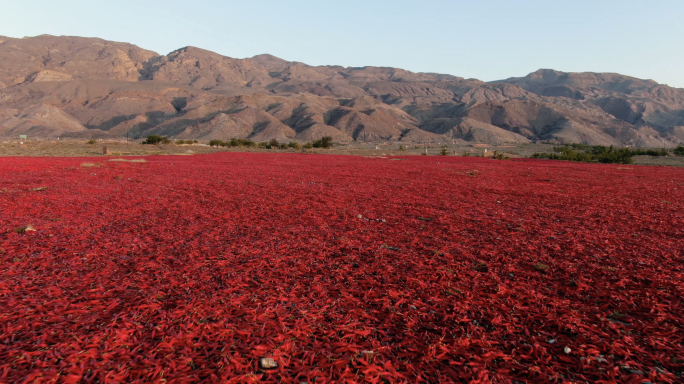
x: 190, y: 269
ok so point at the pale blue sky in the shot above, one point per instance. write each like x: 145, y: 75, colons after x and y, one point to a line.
x: 485, y: 39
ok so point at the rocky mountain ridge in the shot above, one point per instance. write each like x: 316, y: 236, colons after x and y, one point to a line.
x: 87, y: 87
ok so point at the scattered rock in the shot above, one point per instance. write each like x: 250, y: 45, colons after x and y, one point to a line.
x: 39, y: 189
x: 567, y: 350
x: 267, y: 363
x: 359, y: 216
x: 413, y: 307
x: 552, y: 341
x: 28, y: 228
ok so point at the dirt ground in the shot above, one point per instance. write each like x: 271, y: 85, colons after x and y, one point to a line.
x: 80, y: 148
x: 69, y: 148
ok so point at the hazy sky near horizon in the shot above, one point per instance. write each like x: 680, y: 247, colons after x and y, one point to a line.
x: 486, y: 39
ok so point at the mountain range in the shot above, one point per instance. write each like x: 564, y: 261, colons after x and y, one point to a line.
x: 92, y: 88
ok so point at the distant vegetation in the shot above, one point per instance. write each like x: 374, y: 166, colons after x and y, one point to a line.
x: 156, y: 139
x: 679, y: 151
x: 499, y: 156
x: 186, y: 142
x: 599, y: 153
x: 325, y: 142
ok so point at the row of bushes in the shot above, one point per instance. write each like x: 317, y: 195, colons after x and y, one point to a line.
x: 601, y: 154
x: 325, y: 142
x: 273, y: 144
x: 156, y: 139
x: 186, y: 142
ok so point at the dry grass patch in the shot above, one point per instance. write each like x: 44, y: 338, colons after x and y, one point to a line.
x: 130, y: 160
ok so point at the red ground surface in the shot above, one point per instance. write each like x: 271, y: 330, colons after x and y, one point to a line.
x: 190, y: 269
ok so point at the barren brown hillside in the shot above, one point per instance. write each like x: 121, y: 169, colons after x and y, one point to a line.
x: 86, y: 87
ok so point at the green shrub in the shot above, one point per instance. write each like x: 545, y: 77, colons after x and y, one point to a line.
x: 294, y: 145
x: 679, y: 151
x: 444, y: 151
x: 401, y: 147
x: 324, y: 142
x: 308, y: 145
x: 596, y: 154
x: 217, y: 143
x: 499, y: 156
x: 240, y: 143
x: 156, y: 139
x: 91, y: 141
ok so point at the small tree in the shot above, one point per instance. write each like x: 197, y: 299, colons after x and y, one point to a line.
x: 444, y: 151
x: 293, y: 144
x: 679, y: 151
x: 327, y: 141
x: 401, y: 147
x: 324, y: 142
x: 216, y: 143
x: 273, y: 144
